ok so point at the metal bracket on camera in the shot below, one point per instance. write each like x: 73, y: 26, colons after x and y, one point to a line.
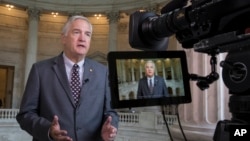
x: 203, y: 82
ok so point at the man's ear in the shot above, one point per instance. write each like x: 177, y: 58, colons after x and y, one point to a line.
x: 63, y: 39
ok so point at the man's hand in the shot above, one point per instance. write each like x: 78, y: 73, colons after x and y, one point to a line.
x: 108, y: 131
x: 56, y: 133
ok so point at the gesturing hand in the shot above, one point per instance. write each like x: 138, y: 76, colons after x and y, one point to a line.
x: 108, y: 131
x: 56, y: 133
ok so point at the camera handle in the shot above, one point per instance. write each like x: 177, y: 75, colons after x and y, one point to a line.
x: 203, y: 82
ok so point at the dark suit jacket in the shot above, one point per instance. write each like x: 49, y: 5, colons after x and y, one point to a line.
x: 160, y: 88
x: 48, y: 93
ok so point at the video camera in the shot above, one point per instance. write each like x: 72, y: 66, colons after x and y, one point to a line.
x: 211, y: 27
x: 201, y: 20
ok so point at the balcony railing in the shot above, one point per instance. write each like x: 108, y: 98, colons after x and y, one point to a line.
x: 132, y: 126
x: 126, y: 119
x: 137, y: 119
x: 8, y: 114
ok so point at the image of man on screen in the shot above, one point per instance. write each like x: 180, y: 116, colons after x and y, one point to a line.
x: 151, y: 85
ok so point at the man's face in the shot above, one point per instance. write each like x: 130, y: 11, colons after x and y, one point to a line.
x: 149, y: 70
x: 77, y: 41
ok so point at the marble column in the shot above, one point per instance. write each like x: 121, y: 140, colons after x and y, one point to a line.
x: 141, y: 67
x: 173, y: 73
x: 199, y: 118
x: 113, y: 18
x: 132, y: 71
x: 163, y: 70
x: 123, y: 69
x: 31, y: 50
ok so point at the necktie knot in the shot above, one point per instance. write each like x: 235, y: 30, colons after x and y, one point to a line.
x: 75, y: 68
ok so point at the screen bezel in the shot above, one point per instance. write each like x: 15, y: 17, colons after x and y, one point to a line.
x: 130, y: 103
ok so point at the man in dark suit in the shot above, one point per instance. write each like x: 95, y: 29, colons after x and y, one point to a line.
x: 151, y: 86
x: 48, y: 109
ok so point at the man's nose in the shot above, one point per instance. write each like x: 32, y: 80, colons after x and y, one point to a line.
x: 82, y: 37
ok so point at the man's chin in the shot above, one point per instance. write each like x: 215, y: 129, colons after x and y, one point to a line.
x: 82, y: 52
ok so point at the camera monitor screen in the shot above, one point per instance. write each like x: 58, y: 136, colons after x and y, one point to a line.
x: 148, y: 78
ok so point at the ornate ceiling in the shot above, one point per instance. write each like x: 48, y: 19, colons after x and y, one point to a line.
x: 87, y: 6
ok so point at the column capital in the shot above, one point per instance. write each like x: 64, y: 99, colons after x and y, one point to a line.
x: 153, y: 8
x: 123, y: 26
x: 34, y: 14
x: 113, y: 16
x: 70, y: 14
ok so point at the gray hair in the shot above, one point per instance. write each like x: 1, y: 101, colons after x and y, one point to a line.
x: 150, y: 61
x: 65, y: 28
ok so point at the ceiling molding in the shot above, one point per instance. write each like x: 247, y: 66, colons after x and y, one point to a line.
x: 85, y: 6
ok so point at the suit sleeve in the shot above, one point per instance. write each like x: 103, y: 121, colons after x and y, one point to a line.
x: 28, y: 116
x: 108, y: 111
x: 139, y: 90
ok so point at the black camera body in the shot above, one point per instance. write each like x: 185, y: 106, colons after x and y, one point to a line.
x: 190, y: 24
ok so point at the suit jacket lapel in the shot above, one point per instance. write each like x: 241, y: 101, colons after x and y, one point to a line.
x: 155, y: 86
x: 60, y: 71
x: 87, y: 77
x: 146, y: 84
x: 155, y: 81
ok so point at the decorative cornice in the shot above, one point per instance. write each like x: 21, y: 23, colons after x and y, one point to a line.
x: 154, y: 8
x: 75, y: 13
x: 93, y: 6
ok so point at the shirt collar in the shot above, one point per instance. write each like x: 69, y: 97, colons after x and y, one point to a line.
x: 70, y: 64
x: 151, y: 78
